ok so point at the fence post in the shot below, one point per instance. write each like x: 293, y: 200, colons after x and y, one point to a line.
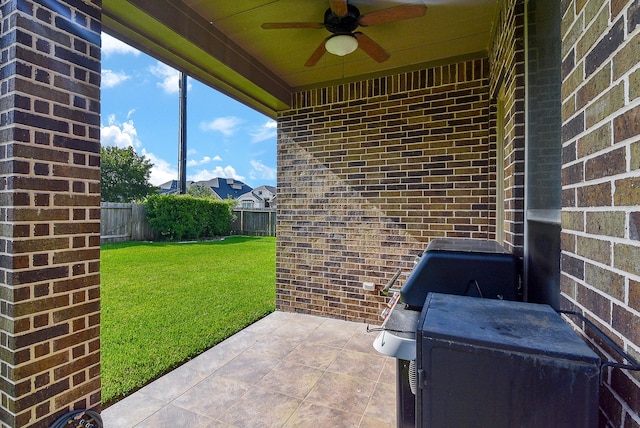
x: 124, y: 222
x: 255, y: 221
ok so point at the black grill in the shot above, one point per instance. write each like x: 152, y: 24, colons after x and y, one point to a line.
x: 466, y: 267
x: 471, y: 267
x: 471, y: 353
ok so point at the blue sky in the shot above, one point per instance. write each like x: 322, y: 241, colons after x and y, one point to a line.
x: 140, y: 108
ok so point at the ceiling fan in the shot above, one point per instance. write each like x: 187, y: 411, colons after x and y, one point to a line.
x: 342, y: 19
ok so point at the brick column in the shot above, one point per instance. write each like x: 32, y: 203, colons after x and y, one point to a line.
x: 507, y: 71
x: 50, y: 211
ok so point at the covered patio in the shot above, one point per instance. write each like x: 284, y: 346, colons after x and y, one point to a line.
x: 286, y: 370
x: 510, y: 120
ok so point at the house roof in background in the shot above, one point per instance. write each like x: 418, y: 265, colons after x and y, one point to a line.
x: 171, y: 186
x: 271, y: 189
x: 227, y: 188
x: 252, y: 195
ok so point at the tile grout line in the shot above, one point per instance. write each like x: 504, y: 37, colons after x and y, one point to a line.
x: 307, y: 394
x: 324, y: 371
x: 249, y: 390
x: 216, y: 419
x: 270, y: 371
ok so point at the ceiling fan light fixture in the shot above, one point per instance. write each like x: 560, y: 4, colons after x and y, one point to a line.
x: 341, y: 44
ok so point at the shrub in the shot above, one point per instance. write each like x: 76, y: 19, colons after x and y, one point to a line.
x: 179, y: 217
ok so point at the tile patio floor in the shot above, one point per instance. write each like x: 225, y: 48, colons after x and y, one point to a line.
x: 286, y: 370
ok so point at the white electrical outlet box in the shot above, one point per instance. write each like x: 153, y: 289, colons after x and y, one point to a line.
x: 368, y: 286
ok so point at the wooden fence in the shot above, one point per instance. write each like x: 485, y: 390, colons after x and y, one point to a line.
x: 127, y: 222
x: 254, y: 222
x: 124, y: 222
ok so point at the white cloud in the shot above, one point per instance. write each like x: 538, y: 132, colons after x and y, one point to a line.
x: 265, y: 132
x: 125, y: 135
x: 112, y: 78
x: 227, y: 125
x: 261, y: 171
x: 170, y: 78
x: 111, y: 45
x: 119, y: 134
x: 162, y: 171
x: 205, y: 160
x: 226, y: 172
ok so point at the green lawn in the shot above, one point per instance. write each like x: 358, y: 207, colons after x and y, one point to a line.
x: 163, y: 303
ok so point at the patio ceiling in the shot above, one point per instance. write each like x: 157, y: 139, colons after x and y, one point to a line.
x: 222, y: 42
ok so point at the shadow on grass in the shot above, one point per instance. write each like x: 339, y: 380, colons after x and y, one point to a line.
x: 217, y: 292
x: 227, y: 240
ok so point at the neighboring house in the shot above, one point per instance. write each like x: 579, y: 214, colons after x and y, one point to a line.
x: 260, y: 197
x: 171, y: 187
x: 226, y: 188
x: 223, y: 188
x: 250, y: 200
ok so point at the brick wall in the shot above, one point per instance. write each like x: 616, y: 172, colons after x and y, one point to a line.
x: 50, y: 215
x: 369, y: 172
x: 507, y: 75
x: 601, y: 184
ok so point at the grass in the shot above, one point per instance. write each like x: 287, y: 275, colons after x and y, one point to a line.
x: 163, y: 303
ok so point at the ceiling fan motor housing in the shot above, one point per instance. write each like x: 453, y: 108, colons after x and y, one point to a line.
x: 342, y: 24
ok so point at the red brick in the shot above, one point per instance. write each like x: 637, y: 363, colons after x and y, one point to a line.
x: 605, y: 165
x: 596, y: 195
x: 626, y: 323
x: 627, y: 125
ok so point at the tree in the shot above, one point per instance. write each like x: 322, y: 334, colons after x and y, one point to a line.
x: 200, y: 191
x: 124, y: 175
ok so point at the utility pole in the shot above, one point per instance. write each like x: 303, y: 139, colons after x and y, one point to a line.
x: 182, y: 138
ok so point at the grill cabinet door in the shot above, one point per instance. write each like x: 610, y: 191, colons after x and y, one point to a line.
x: 489, y: 363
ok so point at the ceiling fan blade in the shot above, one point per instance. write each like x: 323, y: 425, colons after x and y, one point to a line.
x: 392, y: 14
x: 316, y: 55
x: 371, y: 48
x: 284, y: 25
x: 339, y: 7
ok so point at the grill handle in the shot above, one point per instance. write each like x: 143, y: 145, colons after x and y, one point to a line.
x: 633, y: 364
x: 393, y: 280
